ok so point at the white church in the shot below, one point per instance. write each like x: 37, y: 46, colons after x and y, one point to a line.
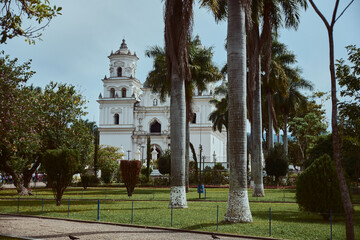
x: 130, y: 112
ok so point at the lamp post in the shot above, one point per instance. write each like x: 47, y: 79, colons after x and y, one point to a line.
x: 128, y: 154
x: 142, y: 154
x: 200, y: 185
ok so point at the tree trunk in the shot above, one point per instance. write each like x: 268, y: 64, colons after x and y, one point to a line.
x: 177, y: 135
x: 257, y: 157
x: 286, y: 147
x: 238, y: 209
x: 271, y: 124
x: 345, y: 196
x: 187, y: 158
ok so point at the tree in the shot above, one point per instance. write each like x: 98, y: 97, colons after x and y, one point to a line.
x: 165, y: 162
x: 130, y: 170
x: 349, y: 81
x: 60, y: 166
x: 345, y: 196
x: 35, y: 11
x: 108, y: 157
x: 148, y: 158
x: 306, y: 131
x: 178, y: 19
x: 291, y: 102
x: 36, y: 120
x: 202, y: 70
x: 316, y: 188
x: 238, y: 209
x: 276, y: 162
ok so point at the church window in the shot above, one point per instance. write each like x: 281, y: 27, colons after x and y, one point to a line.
x: 123, y: 92
x: 116, y: 119
x: 194, y: 118
x: 119, y: 72
x: 155, y: 102
x: 155, y: 127
x: 112, y: 92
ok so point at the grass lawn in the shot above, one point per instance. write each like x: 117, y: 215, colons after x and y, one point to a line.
x: 286, y: 220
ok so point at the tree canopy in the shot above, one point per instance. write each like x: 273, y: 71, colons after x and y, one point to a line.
x: 25, y: 18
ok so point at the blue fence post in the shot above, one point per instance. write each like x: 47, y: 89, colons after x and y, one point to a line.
x: 69, y: 208
x: 132, y: 212
x: 217, y: 218
x: 269, y: 221
x: 82, y: 193
x: 171, y: 215
x: 205, y: 192
x: 98, y: 212
x: 330, y: 225
x: 18, y: 206
x: 42, y: 206
x: 153, y: 193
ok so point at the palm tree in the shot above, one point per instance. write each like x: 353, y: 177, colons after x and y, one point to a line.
x: 238, y: 209
x: 178, y: 20
x: 273, y: 11
x: 203, y: 71
x: 291, y: 102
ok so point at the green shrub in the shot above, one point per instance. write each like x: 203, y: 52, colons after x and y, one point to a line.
x: 60, y: 165
x: 276, y: 162
x: 164, y: 162
x: 88, y: 180
x: 317, y: 188
x: 143, y: 171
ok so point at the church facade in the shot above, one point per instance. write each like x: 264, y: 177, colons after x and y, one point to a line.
x: 130, y: 112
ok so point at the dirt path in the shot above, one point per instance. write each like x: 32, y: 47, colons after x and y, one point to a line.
x: 43, y: 228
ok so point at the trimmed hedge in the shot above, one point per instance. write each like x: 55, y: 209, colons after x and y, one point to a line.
x: 317, y: 188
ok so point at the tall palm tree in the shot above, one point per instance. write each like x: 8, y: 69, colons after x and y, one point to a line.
x: 294, y: 98
x: 238, y: 209
x: 178, y: 20
x: 273, y: 13
x: 203, y: 71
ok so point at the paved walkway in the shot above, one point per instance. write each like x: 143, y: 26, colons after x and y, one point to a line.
x: 44, y: 228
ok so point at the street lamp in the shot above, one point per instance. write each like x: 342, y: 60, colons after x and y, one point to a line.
x: 128, y: 154
x: 142, y: 154
x: 200, y: 185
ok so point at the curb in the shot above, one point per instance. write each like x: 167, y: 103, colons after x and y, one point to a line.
x: 141, y: 226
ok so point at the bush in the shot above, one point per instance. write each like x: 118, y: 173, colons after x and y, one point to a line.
x: 317, y: 188
x: 88, y: 180
x: 130, y: 172
x: 60, y: 166
x: 276, y: 162
x: 164, y: 162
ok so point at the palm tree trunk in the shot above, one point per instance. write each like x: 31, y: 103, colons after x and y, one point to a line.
x: 286, y: 147
x: 271, y: 124
x: 177, y: 135
x: 238, y: 209
x: 187, y: 158
x: 257, y: 157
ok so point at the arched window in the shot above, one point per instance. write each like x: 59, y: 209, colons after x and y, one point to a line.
x: 155, y: 127
x: 155, y: 102
x: 123, y: 92
x: 119, y: 72
x: 194, y: 118
x: 116, y: 119
x: 112, y: 92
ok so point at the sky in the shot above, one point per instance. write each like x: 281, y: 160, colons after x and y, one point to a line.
x: 75, y: 46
